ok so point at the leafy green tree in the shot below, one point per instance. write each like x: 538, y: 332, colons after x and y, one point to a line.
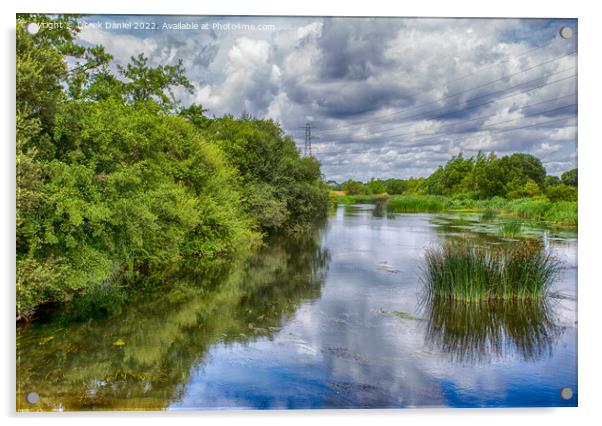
x: 115, y: 184
x: 354, y: 187
x: 144, y: 82
x: 453, y: 178
x: 375, y: 186
x: 520, y: 168
x: 562, y: 192
x: 395, y: 186
x: 283, y: 191
x: 551, y: 181
x: 570, y: 177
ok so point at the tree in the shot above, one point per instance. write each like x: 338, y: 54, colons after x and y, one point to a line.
x: 562, y: 192
x: 570, y: 177
x: 519, y: 168
x: 114, y: 185
x: 375, y: 186
x: 156, y: 83
x: 353, y: 187
x: 551, y: 181
x: 395, y: 186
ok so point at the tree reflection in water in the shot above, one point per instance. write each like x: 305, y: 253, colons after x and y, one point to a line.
x: 141, y: 359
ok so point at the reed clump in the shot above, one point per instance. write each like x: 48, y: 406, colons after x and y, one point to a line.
x: 511, y: 228
x: 463, y: 270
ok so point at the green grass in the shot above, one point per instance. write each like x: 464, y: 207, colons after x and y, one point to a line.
x: 563, y: 213
x: 419, y: 203
x: 488, y: 215
x: 465, y: 271
x: 560, y: 212
x: 511, y: 228
x: 362, y: 199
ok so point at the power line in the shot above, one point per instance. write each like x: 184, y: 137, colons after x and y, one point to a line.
x: 510, y: 129
x: 468, y: 120
x: 546, y: 44
x: 484, y: 103
x: 490, y: 101
x: 334, y: 129
x: 490, y: 127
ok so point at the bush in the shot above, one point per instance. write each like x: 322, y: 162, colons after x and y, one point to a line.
x: 562, y: 192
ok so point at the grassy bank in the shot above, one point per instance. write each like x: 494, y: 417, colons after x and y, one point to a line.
x: 558, y: 213
x: 469, y: 272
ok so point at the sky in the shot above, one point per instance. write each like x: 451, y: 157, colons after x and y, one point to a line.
x: 386, y: 97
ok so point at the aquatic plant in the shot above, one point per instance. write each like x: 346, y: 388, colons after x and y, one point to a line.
x: 463, y: 270
x: 511, y: 228
x: 488, y: 215
x: 419, y: 203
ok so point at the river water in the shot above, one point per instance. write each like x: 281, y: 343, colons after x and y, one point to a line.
x: 334, y: 320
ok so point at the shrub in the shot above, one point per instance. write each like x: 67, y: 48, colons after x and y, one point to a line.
x: 562, y: 192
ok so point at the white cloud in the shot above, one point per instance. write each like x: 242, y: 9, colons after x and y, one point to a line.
x: 379, y: 87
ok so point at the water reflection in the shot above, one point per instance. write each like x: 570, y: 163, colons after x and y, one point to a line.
x: 325, y: 322
x: 481, y: 332
x: 140, y: 359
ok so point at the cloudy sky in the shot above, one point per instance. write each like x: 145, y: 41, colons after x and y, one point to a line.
x: 386, y: 97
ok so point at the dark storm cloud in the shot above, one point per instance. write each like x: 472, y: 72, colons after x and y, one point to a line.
x: 354, y: 48
x: 386, y: 97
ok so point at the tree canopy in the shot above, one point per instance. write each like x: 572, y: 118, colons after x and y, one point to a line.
x: 116, y: 180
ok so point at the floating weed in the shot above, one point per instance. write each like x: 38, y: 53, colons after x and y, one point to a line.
x: 405, y: 315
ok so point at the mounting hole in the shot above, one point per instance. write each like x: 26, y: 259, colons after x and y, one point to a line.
x: 566, y: 32
x: 33, y: 28
x: 33, y: 397
x: 566, y: 393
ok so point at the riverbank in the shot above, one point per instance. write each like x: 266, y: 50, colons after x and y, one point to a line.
x: 559, y: 213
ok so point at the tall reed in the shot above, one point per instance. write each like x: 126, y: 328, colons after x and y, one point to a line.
x: 463, y: 270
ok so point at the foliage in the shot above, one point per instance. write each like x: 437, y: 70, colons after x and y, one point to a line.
x: 570, y: 177
x: 562, y: 192
x: 114, y: 182
x: 416, y: 203
x: 463, y: 270
x: 511, y: 228
x: 375, y: 186
x: 353, y: 187
x: 282, y: 190
x: 480, y: 178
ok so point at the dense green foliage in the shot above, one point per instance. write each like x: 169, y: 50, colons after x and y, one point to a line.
x: 515, y: 184
x: 570, y: 177
x: 115, y: 180
x: 281, y: 190
x: 483, y: 177
x: 462, y: 270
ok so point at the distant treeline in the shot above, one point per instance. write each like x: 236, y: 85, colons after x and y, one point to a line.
x: 481, y: 177
x: 116, y: 180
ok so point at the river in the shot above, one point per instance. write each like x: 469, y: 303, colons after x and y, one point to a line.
x: 334, y: 320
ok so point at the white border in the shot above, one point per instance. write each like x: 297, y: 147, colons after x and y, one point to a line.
x: 590, y: 142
